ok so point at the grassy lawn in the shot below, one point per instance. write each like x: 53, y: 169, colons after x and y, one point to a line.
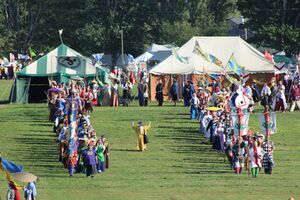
x: 177, y: 164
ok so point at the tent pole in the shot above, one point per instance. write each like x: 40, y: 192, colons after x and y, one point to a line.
x: 13, y: 90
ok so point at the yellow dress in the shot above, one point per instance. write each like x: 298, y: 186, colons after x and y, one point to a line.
x: 140, y: 131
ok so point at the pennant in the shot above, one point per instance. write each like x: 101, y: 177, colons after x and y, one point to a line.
x: 182, y: 59
x: 98, y: 56
x: 206, y: 56
x: 231, y: 79
x: 11, y: 167
x: 60, y: 31
x: 23, y: 57
x: 11, y: 57
x: 31, y: 52
x: 268, y: 56
x: 130, y: 58
x: 271, y: 126
x: 234, y: 66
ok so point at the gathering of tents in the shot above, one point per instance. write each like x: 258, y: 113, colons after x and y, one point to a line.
x: 63, y: 63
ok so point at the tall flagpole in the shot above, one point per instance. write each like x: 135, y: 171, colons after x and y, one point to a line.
x: 122, y: 49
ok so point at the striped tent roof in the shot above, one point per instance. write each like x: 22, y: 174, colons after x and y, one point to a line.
x: 48, y: 65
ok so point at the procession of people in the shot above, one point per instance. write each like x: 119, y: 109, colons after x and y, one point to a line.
x: 221, y: 111
x: 81, y: 150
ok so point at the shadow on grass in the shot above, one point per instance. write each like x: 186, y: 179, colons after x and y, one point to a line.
x: 126, y: 150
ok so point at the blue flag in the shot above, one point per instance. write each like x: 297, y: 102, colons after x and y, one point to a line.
x: 234, y: 66
x: 11, y: 167
x: 98, y: 56
x: 130, y: 59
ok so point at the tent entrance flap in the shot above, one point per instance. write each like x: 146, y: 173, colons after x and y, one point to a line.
x: 38, y: 89
x: 21, y: 89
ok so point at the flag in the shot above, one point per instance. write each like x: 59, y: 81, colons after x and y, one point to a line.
x: 98, y: 56
x: 182, y: 59
x: 268, y: 56
x: 243, y: 127
x: 11, y: 167
x: 23, y: 57
x: 245, y: 75
x: 206, y: 56
x: 60, y: 31
x: 234, y: 66
x: 130, y: 59
x: 11, y: 57
x: 31, y: 52
x: 271, y: 125
x: 6, y: 62
x: 231, y: 79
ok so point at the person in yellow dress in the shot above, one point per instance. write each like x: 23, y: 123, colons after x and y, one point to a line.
x: 141, y: 131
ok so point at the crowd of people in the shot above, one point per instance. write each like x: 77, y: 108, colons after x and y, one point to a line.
x: 81, y: 150
x: 214, y: 106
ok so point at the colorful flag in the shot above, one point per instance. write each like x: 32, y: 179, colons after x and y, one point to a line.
x: 231, y: 79
x: 182, y: 59
x: 234, y: 66
x: 11, y: 57
x: 206, y: 56
x: 268, y: 56
x: 31, y: 52
x: 98, y: 56
x: 271, y: 125
x: 11, y: 167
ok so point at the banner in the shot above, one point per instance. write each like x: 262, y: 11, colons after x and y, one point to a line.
x: 243, y: 127
x: 231, y: 79
x: 182, y: 59
x: 234, y: 66
x: 271, y: 125
x: 69, y: 61
x: 206, y: 56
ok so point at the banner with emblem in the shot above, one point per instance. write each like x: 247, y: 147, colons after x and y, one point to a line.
x: 243, y: 127
x: 69, y: 61
x: 271, y: 125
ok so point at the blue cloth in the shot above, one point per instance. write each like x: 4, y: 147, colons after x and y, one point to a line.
x: 11, y: 167
x: 194, y: 112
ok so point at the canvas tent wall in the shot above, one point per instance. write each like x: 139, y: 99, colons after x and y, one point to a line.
x: 222, y: 48
x: 60, y: 65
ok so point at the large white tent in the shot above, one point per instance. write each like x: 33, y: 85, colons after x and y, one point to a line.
x: 222, y: 48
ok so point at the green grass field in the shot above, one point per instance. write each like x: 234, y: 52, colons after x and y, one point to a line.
x: 177, y: 164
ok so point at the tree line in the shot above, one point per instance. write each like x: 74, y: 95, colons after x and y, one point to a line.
x: 92, y: 26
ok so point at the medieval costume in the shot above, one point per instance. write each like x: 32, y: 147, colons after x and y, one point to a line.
x: 159, y: 93
x: 194, y: 107
x: 268, y: 162
x: 141, y: 131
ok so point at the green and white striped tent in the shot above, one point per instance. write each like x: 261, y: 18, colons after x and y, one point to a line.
x: 60, y: 65
x: 52, y: 64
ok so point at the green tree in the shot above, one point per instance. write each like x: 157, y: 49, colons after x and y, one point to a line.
x: 276, y: 23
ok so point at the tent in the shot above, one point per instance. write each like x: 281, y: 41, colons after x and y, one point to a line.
x: 60, y: 65
x: 220, y: 47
